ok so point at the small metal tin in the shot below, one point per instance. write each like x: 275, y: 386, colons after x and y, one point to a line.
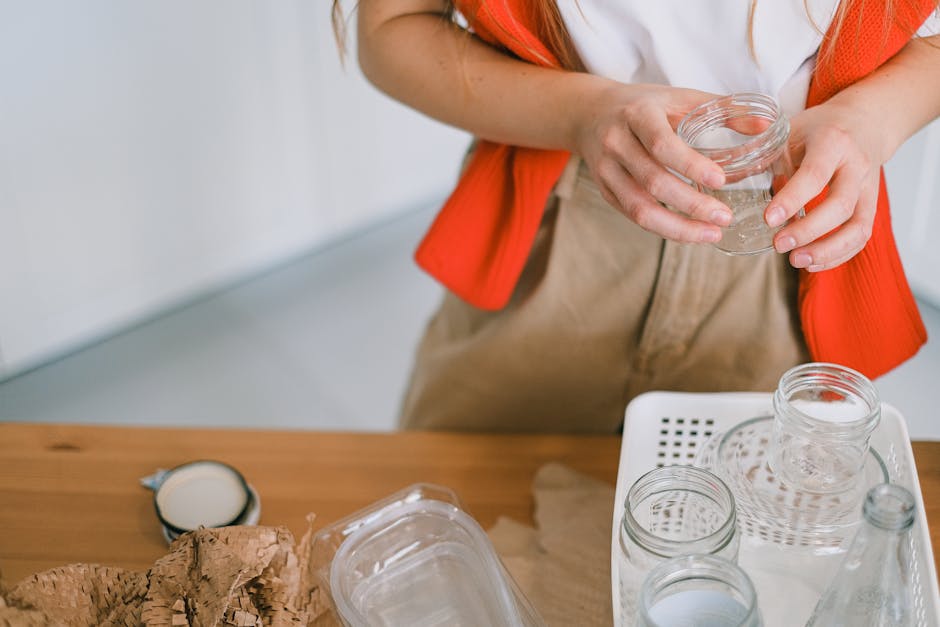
x: 202, y: 493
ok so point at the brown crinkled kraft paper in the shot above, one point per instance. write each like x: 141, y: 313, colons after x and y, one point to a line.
x: 241, y: 576
x: 563, y: 565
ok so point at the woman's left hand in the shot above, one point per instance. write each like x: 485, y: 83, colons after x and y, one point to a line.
x: 833, y: 145
x: 842, y: 143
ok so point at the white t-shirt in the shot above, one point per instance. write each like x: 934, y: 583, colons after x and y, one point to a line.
x: 703, y: 44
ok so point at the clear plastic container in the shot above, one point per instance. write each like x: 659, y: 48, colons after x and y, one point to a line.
x: 417, y: 559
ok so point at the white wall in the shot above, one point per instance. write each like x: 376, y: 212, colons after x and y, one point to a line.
x: 915, y: 203
x: 150, y: 151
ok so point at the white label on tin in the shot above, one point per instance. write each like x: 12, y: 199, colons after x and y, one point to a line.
x: 207, y: 494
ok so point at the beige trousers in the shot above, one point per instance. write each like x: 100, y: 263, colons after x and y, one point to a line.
x: 603, y: 312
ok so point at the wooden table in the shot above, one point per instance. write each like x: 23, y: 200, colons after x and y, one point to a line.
x: 72, y: 494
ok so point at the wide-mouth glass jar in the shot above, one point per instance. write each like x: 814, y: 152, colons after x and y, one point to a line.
x: 824, y: 415
x: 672, y: 511
x: 746, y: 134
x: 698, y: 590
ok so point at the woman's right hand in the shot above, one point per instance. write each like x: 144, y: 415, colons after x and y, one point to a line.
x: 626, y: 136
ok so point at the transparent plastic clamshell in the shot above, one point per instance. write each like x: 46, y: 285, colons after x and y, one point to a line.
x: 417, y: 558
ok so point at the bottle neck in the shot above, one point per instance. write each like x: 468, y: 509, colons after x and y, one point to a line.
x: 890, y: 508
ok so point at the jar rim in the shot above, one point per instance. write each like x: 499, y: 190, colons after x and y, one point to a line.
x: 680, y: 570
x: 837, y: 378
x: 716, y: 112
x: 698, y: 481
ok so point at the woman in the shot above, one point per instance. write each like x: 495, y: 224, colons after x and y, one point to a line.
x: 572, y: 287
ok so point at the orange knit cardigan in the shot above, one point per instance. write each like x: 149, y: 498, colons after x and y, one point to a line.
x: 861, y: 314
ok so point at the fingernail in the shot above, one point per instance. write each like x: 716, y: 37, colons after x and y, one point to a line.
x: 714, y: 180
x: 721, y: 217
x: 785, y: 244
x: 711, y: 236
x: 775, y: 217
x: 816, y: 268
x: 801, y: 260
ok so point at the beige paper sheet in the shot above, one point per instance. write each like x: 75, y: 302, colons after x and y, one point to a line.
x: 563, y: 565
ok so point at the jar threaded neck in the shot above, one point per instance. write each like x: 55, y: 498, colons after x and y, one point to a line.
x: 754, y: 149
x: 681, y: 479
x: 701, y: 572
x: 844, y: 402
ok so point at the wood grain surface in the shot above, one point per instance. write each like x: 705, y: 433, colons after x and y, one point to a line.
x: 72, y: 494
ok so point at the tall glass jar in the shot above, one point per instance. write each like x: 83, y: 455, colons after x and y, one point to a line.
x: 746, y: 134
x: 668, y: 512
x: 824, y: 415
x: 698, y: 591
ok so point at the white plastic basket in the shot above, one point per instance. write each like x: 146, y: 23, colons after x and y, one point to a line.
x: 668, y: 428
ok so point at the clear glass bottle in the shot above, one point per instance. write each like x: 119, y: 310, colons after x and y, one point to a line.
x: 746, y: 134
x: 698, y: 591
x: 824, y: 415
x: 873, y: 585
x: 668, y: 512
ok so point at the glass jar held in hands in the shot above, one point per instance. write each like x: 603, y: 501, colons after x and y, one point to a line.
x: 746, y: 134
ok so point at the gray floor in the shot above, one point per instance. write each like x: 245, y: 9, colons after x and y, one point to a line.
x: 321, y: 343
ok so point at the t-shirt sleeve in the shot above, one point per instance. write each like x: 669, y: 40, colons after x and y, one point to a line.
x: 931, y: 26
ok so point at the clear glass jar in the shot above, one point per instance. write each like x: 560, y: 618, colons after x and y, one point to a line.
x: 746, y: 134
x: 668, y: 512
x: 698, y: 591
x: 824, y: 415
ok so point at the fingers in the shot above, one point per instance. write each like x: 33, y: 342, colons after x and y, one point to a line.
x: 835, y: 210
x: 805, y: 184
x: 625, y: 194
x: 833, y: 159
x: 659, y: 139
x: 831, y: 151
x: 837, y: 229
x: 625, y: 151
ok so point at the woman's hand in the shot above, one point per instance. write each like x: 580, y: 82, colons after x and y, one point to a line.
x: 834, y: 145
x: 627, y: 139
x: 625, y: 133
x: 843, y: 143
